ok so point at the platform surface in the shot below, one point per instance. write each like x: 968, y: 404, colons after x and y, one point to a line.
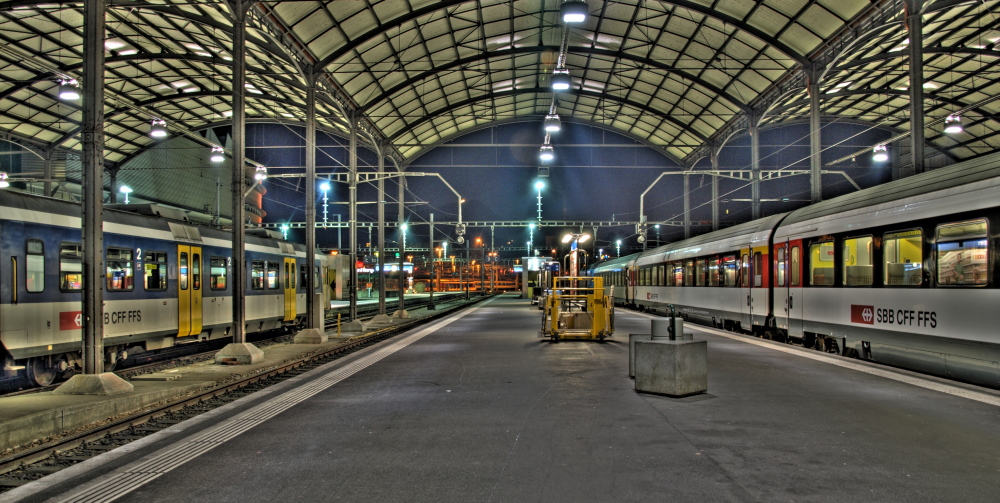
x: 476, y: 408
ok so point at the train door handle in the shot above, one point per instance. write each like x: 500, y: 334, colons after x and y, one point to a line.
x: 791, y: 302
x: 748, y: 299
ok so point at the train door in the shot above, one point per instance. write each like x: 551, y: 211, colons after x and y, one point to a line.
x: 290, y: 273
x: 794, y: 302
x: 189, y: 293
x: 746, y: 311
x: 760, y: 279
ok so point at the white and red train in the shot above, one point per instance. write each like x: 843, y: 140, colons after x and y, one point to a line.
x: 905, y: 274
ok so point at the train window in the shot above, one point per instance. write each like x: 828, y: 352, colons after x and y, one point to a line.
x: 656, y: 275
x: 118, y: 264
x: 758, y: 269
x: 745, y: 270
x: 183, y: 273
x: 196, y: 271
x: 676, y: 274
x: 903, y: 253
x: 217, y: 273
x: 304, y: 277
x: 713, y: 271
x: 318, y: 275
x: 781, y: 265
x: 70, y: 267
x: 731, y: 270
x: 154, y: 265
x: 821, y: 264
x: 257, y: 275
x: 290, y: 276
x: 858, y: 261
x: 796, y: 263
x: 272, y: 276
x: 663, y: 275
x: 700, y: 273
x: 34, y: 280
x: 961, y: 254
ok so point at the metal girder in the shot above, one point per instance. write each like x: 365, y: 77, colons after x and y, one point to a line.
x: 478, y: 223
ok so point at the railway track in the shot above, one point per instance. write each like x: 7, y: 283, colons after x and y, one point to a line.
x: 31, y: 464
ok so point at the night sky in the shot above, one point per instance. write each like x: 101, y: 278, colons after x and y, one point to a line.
x: 597, y: 175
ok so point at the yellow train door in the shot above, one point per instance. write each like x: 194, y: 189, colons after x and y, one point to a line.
x: 290, y: 273
x: 189, y: 298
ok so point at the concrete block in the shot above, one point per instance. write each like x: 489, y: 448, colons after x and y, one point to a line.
x: 632, y: 338
x: 310, y: 336
x: 354, y: 326
x: 401, y: 314
x: 239, y: 354
x: 103, y: 384
x: 672, y: 368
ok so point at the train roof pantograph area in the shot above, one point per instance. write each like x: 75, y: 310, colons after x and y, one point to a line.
x: 683, y: 76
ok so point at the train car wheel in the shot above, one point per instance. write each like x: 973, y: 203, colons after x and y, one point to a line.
x: 39, y: 372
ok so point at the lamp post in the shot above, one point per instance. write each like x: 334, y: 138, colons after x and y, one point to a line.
x: 574, y: 240
x: 125, y: 190
x: 325, y: 187
x: 531, y: 238
x: 618, y: 246
x: 539, y: 185
x: 657, y: 227
x: 482, y: 264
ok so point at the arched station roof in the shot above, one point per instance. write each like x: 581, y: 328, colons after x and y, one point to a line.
x: 684, y: 75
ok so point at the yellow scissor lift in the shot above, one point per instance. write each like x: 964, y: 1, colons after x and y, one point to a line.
x: 578, y: 307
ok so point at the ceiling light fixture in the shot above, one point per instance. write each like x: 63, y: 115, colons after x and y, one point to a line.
x: 546, y: 153
x: 953, y: 124
x: 574, y: 11
x: 552, y: 123
x: 69, y: 90
x: 158, y: 128
x: 260, y: 173
x: 880, y: 153
x: 561, y: 80
x: 218, y: 155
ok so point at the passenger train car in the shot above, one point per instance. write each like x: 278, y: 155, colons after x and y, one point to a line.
x: 167, y: 281
x: 905, y: 274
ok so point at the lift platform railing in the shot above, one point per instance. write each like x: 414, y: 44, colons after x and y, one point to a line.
x: 577, y: 307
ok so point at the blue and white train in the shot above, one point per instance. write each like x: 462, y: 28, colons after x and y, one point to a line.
x: 167, y: 281
x: 905, y: 274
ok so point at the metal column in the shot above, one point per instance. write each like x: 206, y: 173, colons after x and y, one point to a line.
x: 687, y: 205
x: 239, y: 275
x: 714, y: 157
x: 401, y: 219
x: 352, y: 177
x: 381, y: 230
x: 311, y: 202
x: 755, y: 166
x: 915, y: 28
x: 815, y: 143
x: 430, y: 302
x: 93, y: 186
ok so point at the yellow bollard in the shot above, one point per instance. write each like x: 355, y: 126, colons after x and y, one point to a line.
x: 338, y: 324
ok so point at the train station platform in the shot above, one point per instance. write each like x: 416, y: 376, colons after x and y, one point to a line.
x: 34, y: 418
x: 474, y: 407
